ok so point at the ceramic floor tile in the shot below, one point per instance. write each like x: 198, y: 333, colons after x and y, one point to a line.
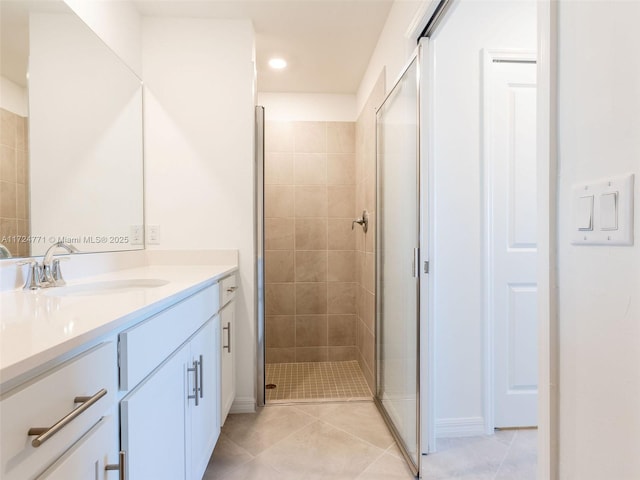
x: 387, y: 467
x: 461, y: 457
x: 521, y: 460
x: 256, y: 469
x: 347, y: 441
x: 255, y: 432
x: 360, y: 419
x: 226, y: 457
x: 321, y: 452
x: 315, y: 381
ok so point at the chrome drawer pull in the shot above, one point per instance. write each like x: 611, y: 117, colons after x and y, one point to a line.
x: 228, y: 345
x: 45, y: 433
x: 195, y: 387
x: 201, y: 377
x: 122, y: 466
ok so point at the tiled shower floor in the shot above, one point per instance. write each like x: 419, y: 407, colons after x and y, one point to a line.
x: 316, y: 381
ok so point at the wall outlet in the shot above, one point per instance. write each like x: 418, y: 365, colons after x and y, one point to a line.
x: 153, y: 234
x: 136, y: 237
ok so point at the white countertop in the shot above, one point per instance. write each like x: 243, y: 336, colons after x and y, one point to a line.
x: 40, y: 326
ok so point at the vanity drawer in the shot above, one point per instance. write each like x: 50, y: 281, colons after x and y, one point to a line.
x: 228, y: 288
x: 148, y: 344
x: 45, y: 401
x: 88, y: 458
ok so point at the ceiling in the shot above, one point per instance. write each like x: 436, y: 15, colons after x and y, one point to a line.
x: 327, y: 43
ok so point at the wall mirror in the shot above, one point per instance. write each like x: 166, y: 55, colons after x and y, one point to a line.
x: 71, y: 165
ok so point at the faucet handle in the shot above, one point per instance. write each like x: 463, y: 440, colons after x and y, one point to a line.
x: 34, y: 274
x: 56, y: 272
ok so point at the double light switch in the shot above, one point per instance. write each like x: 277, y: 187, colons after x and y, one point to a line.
x: 603, y: 212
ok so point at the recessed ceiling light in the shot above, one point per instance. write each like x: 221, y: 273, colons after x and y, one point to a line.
x: 277, y: 63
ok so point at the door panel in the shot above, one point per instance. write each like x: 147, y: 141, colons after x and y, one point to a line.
x: 153, y: 423
x: 512, y: 249
x: 396, y: 273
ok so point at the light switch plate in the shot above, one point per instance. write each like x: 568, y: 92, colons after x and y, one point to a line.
x: 612, y: 217
x: 136, y: 235
x: 153, y: 234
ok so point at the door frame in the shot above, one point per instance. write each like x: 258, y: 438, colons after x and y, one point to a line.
x: 547, y: 181
x: 488, y: 57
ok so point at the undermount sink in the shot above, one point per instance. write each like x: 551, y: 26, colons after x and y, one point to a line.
x: 108, y: 287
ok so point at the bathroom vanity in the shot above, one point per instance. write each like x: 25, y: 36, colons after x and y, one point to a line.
x: 128, y: 375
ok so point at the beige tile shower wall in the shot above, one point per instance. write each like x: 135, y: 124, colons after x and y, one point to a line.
x: 14, y: 187
x: 365, y: 243
x: 310, y: 258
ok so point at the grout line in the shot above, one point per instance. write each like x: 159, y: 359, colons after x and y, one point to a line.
x: 236, y: 467
x: 506, y: 455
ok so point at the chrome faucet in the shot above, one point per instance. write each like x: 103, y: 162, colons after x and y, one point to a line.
x: 51, y: 273
x: 47, y: 274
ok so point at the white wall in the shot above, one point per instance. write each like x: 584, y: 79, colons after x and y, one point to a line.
x: 599, y: 301
x: 117, y: 23
x: 13, y: 97
x: 469, y: 27
x: 85, y: 138
x: 308, y: 107
x: 394, y: 48
x: 199, y: 151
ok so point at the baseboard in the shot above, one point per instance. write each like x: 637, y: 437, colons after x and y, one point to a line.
x: 243, y: 405
x: 460, y: 427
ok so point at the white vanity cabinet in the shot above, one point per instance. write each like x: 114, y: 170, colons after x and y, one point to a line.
x: 228, y: 288
x: 145, y: 392
x: 169, y: 421
x: 71, y: 401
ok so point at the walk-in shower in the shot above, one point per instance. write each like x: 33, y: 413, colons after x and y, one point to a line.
x: 313, y: 280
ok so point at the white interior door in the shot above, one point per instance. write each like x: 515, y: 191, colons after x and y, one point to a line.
x: 511, y: 179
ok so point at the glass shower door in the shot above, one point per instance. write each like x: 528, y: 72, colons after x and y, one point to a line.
x: 397, y: 319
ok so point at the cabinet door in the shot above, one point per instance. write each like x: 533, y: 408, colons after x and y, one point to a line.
x: 87, y: 458
x: 153, y: 422
x: 203, y: 418
x: 227, y: 344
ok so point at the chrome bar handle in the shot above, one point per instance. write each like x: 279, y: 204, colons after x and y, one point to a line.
x: 121, y: 466
x: 194, y: 369
x: 45, y: 433
x: 228, y: 345
x: 201, y: 377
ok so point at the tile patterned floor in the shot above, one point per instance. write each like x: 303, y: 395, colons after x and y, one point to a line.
x: 349, y: 441
x: 316, y: 381
x: 507, y: 455
x: 329, y: 441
